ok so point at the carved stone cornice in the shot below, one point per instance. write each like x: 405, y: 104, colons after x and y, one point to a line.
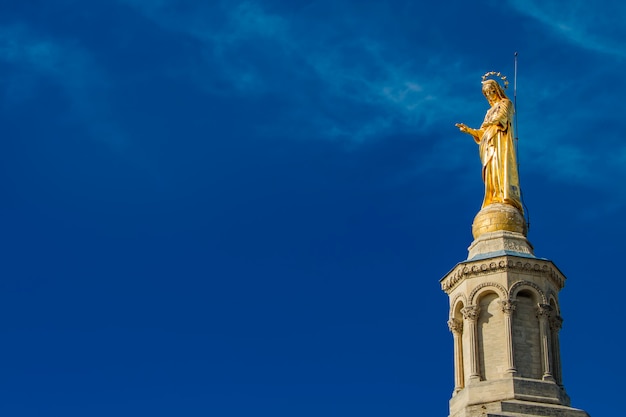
x: 470, y: 312
x: 455, y: 326
x: 472, y: 269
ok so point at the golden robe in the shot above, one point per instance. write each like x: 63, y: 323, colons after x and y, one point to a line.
x: 497, y: 153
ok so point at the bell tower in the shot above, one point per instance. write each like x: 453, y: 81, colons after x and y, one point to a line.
x: 504, y: 313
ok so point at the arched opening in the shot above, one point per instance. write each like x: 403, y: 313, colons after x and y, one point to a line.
x: 555, y: 328
x: 459, y: 348
x: 526, y: 336
x: 554, y: 305
x: 491, y: 337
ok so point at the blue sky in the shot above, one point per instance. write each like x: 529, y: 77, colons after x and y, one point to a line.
x: 244, y: 207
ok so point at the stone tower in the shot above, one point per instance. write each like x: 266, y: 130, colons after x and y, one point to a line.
x: 504, y: 306
x: 505, y: 320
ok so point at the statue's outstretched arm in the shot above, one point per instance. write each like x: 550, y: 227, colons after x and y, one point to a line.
x: 476, y: 134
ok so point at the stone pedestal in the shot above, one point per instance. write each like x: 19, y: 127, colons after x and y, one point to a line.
x: 505, y: 319
x: 502, y: 242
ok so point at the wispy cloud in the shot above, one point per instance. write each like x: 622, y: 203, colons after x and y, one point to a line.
x: 573, y: 136
x: 360, y: 87
x: 17, y: 47
x: 263, y: 52
x: 69, y: 66
x: 250, y: 20
x: 598, y: 27
x: 559, y: 121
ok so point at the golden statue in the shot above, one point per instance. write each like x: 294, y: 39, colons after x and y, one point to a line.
x: 497, y: 151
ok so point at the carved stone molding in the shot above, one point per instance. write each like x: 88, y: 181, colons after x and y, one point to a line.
x: 467, y: 270
x: 459, y: 297
x: 455, y: 326
x: 517, y: 247
x: 500, y: 288
x: 470, y: 312
x: 518, y: 285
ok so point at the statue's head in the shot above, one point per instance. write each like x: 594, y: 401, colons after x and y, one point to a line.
x: 492, y: 91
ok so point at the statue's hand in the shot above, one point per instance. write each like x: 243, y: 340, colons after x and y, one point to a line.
x: 463, y: 128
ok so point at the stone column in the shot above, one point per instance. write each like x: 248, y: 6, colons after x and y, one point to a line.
x: 470, y: 315
x: 555, y: 325
x: 456, y: 327
x: 544, y: 313
x: 508, y: 307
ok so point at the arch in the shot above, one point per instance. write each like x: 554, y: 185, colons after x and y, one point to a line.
x: 492, y: 339
x: 456, y: 324
x: 526, y: 331
x: 527, y: 285
x: 456, y: 305
x: 486, y: 286
x: 553, y: 302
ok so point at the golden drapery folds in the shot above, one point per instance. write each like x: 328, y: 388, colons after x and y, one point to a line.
x: 496, y: 148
